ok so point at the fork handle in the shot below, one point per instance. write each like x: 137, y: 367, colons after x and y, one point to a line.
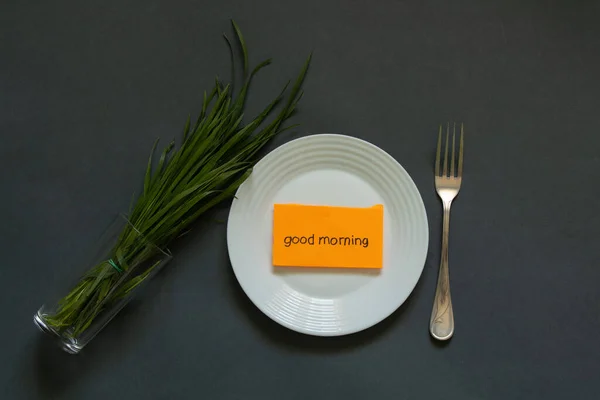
x: 441, y: 325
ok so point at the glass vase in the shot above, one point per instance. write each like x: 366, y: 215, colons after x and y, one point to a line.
x: 122, y: 262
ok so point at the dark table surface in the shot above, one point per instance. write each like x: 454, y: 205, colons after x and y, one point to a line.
x: 86, y: 87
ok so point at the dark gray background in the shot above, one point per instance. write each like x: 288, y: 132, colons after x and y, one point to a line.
x: 86, y: 87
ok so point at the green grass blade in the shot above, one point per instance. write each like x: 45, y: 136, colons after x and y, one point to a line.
x: 232, y: 59
x: 148, y: 176
x: 242, y: 43
x: 186, y: 129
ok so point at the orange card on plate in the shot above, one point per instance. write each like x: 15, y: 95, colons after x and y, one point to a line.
x: 326, y: 236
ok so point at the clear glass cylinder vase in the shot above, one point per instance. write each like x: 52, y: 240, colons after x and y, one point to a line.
x: 122, y: 262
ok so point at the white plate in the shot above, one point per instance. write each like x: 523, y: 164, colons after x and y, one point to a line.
x: 328, y: 170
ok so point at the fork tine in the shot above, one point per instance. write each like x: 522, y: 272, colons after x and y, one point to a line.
x: 438, y: 153
x: 460, y: 151
x: 445, y: 170
x: 453, y: 150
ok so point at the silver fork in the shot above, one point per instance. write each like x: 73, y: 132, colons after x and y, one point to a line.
x: 447, y: 185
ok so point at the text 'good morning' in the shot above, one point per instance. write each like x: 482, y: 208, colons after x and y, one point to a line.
x: 326, y: 241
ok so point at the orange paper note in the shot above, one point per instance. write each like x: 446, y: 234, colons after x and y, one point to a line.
x: 324, y: 236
